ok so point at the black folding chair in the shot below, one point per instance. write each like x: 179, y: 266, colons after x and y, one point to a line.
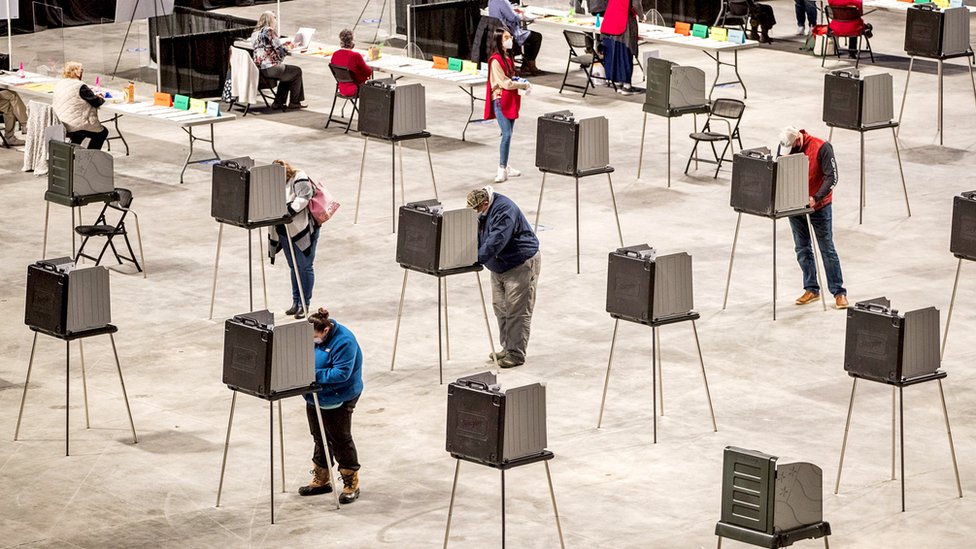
x: 343, y: 75
x: 102, y: 228
x: 725, y: 111
x: 847, y: 14
x: 583, y: 53
x: 734, y: 13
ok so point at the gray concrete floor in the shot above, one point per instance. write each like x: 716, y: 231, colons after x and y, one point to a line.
x: 777, y: 387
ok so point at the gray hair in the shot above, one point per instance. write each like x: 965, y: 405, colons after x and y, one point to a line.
x: 346, y: 38
x: 267, y: 19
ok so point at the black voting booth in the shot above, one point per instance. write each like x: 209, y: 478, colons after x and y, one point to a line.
x: 76, y: 177
x: 770, y: 504
x: 672, y: 91
x: 396, y: 113
x: 574, y: 147
x: 938, y: 34
x: 251, y: 196
x: 69, y: 303
x: 900, y: 350
x: 271, y: 362
x: 862, y: 104
x: 962, y: 245
x: 438, y: 243
x: 498, y: 429
x: 652, y: 290
x: 774, y: 188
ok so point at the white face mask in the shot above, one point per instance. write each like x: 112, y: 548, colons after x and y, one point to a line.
x: 507, y: 44
x: 317, y: 340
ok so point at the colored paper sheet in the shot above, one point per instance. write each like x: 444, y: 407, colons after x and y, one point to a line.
x: 454, y: 64
x: 162, y: 99
x: 736, y: 36
x: 198, y: 105
x: 213, y: 108
x: 181, y: 102
x: 700, y: 31
x: 469, y: 67
x: 483, y: 69
x: 718, y: 33
x: 440, y: 62
x: 682, y: 28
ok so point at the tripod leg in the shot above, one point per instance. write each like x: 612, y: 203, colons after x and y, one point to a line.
x: 396, y: 332
x: 606, y: 381
x: 213, y: 292
x: 84, y: 381
x: 484, y: 310
x: 23, y: 398
x: 577, y: 228
x: 860, y: 210
x: 813, y: 243
x: 904, y: 95
x: 728, y: 278
x: 654, y: 379
x: 843, y: 446
x: 294, y: 261
x: 450, y: 507
x: 901, y: 436
x: 250, y: 271
x: 67, y: 395
x: 264, y: 278
x: 325, y: 443
x: 640, y: 155
x: 271, y: 456
x: 952, y: 448
x: 555, y: 510
x: 73, y: 232
x: 901, y: 171
x: 701, y: 361
x: 774, y: 268
x: 616, y: 216
x: 538, y: 209
x: 440, y: 333
x: 359, y: 189
x: 669, y: 152
x: 939, y: 120
x: 223, y: 461
x: 830, y: 136
x: 660, y: 371
x: 503, y: 508
x: 125, y: 396
x: 952, y: 302
x: 47, y: 216
x: 447, y: 324
x: 403, y: 199
x: 894, y: 429
x: 281, y: 446
x: 430, y: 163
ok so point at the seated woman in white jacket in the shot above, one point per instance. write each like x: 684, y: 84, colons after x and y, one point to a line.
x: 76, y: 106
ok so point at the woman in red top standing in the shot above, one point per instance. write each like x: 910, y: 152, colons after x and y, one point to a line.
x: 504, y: 99
x: 346, y: 58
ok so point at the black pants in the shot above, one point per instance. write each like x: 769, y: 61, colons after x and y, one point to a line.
x: 290, y: 83
x: 96, y: 139
x: 338, y: 431
x: 531, y: 46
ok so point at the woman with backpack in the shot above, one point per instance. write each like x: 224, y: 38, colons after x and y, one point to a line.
x: 299, y: 190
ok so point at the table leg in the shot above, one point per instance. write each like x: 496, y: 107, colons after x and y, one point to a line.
x: 728, y: 277
x: 606, y: 381
x: 735, y: 57
x: 189, y: 155
x: 23, y: 398
x: 847, y: 428
x: 396, y: 332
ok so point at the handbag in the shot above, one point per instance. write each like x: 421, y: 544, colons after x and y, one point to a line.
x: 323, y: 205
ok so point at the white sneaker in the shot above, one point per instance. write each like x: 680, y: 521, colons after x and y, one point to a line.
x: 807, y: 32
x: 502, y: 175
x: 800, y: 31
x: 512, y: 172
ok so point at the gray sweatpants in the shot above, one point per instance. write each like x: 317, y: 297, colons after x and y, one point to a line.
x: 13, y: 110
x: 513, y: 298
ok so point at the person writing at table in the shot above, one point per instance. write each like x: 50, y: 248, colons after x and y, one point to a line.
x: 269, y: 56
x: 347, y: 58
x: 505, y: 101
x: 76, y: 106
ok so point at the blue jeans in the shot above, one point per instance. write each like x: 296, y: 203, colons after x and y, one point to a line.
x: 305, y: 267
x: 808, y: 8
x: 506, y: 126
x: 821, y: 221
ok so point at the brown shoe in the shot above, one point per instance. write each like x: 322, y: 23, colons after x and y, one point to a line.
x: 840, y: 301
x: 807, y: 297
x: 350, y: 486
x: 319, y: 484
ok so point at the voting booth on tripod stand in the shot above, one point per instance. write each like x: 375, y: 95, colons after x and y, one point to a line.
x: 939, y: 34
x: 774, y: 188
x: 652, y: 290
x: 574, y: 147
x: 393, y: 112
x: 962, y: 245
x: 672, y: 91
x: 862, y: 104
x: 438, y: 243
x: 900, y: 350
x: 271, y: 362
x: 251, y: 196
x: 70, y: 303
x: 498, y: 429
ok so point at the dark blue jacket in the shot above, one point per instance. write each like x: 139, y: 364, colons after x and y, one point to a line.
x: 505, y: 238
x: 338, y: 367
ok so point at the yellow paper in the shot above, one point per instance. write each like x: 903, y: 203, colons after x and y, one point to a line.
x: 198, y: 105
x: 469, y: 67
x: 718, y: 33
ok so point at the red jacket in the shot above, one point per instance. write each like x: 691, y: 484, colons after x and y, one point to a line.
x: 357, y: 65
x: 819, y: 153
x: 616, y: 17
x: 847, y: 28
x: 511, y: 100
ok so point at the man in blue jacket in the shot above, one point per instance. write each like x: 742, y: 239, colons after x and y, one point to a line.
x: 508, y: 247
x: 339, y: 369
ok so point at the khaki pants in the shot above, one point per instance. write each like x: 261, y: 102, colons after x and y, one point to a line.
x: 513, y: 298
x: 13, y: 110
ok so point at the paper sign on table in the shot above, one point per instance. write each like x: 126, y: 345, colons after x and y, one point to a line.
x: 700, y: 31
x: 718, y: 33
x: 483, y: 70
x: 162, y: 99
x: 440, y: 62
x: 198, y: 105
x: 213, y: 108
x: 955, y: 4
x: 683, y: 28
x: 181, y: 102
x: 736, y: 36
x: 469, y: 67
x: 454, y: 64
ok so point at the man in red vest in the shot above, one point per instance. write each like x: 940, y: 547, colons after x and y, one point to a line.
x: 822, y: 180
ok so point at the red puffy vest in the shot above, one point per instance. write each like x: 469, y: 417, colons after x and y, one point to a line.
x: 511, y: 100
x: 811, y: 148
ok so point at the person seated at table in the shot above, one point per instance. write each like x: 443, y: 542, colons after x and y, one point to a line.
x: 269, y: 56
x: 761, y: 16
x: 850, y: 28
x: 13, y: 110
x: 76, y: 106
x: 347, y: 58
x: 530, y: 42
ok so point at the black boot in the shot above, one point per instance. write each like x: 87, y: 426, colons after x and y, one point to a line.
x: 293, y: 310
x: 754, y: 32
x: 765, y: 39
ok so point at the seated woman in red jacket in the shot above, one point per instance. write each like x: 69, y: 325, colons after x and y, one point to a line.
x: 851, y: 28
x: 353, y: 61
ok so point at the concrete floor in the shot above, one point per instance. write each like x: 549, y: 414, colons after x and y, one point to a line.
x: 778, y: 387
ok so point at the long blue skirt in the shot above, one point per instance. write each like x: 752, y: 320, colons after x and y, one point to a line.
x: 618, y: 60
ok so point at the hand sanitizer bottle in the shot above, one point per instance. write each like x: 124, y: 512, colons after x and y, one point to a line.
x: 20, y: 71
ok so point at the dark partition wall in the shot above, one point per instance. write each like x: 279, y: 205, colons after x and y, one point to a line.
x: 442, y: 28
x: 690, y: 11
